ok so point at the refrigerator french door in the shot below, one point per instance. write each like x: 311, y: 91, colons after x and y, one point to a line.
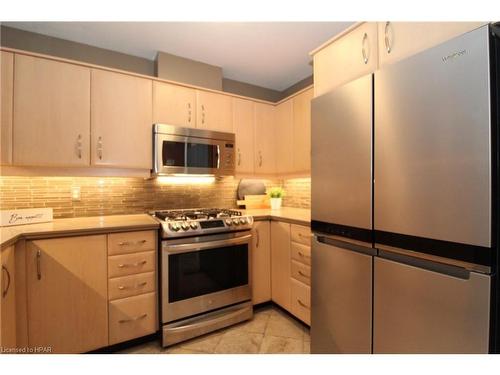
x: 434, y: 218
x: 341, y: 210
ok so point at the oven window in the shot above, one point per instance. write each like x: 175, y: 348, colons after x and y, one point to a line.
x: 201, y: 155
x: 207, y: 271
x: 173, y: 154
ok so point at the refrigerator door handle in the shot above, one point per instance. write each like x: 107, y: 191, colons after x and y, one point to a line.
x: 445, y: 269
x: 345, y: 244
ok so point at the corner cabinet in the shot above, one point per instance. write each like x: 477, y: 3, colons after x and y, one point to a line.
x: 284, y: 137
x: 51, y: 113
x: 174, y: 105
x: 244, y: 120
x: 7, y: 90
x: 67, y: 292
x: 280, y: 263
x: 302, y: 132
x: 264, y: 151
x: 121, y: 120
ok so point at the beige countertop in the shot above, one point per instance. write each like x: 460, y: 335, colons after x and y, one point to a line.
x: 75, y: 226
x: 292, y: 215
x: 118, y: 223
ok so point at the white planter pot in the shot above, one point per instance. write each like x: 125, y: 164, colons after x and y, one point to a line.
x: 275, y: 203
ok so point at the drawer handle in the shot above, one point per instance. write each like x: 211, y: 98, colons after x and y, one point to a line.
x: 303, y: 274
x: 126, y: 243
x: 305, y: 235
x: 133, y: 319
x: 137, y: 264
x: 302, y: 304
x: 303, y: 255
x: 123, y: 287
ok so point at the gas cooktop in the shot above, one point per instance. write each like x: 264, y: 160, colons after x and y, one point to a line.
x: 193, y: 222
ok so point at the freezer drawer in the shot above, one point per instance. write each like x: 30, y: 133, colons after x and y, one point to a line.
x: 341, y: 299
x: 417, y: 310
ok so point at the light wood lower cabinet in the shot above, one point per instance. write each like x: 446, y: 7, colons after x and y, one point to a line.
x: 121, y: 120
x: 261, y: 262
x: 132, y: 317
x: 67, y: 293
x: 7, y: 90
x: 280, y: 263
x: 7, y: 299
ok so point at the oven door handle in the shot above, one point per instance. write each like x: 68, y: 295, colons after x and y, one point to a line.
x: 183, y: 248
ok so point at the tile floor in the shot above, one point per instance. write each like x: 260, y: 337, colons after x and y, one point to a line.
x: 270, y: 331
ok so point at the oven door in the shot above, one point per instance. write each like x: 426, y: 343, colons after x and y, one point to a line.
x: 176, y: 154
x: 204, y: 273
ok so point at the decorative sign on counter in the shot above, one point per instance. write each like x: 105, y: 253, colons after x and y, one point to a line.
x: 25, y: 216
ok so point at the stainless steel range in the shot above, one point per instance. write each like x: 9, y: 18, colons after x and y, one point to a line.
x: 205, y: 275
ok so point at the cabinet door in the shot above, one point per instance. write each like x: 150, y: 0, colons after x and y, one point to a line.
x: 51, y: 113
x: 174, y: 105
x: 261, y: 262
x: 7, y: 89
x: 397, y: 40
x: 284, y: 137
x: 264, y: 139
x: 244, y: 123
x: 302, y: 132
x: 7, y: 299
x: 67, y: 293
x: 122, y: 124
x: 351, y: 56
x: 214, y: 111
x: 280, y: 264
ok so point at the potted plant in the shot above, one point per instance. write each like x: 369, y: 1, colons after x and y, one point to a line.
x: 276, y: 194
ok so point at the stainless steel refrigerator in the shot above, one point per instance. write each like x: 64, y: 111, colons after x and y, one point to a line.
x: 404, y: 205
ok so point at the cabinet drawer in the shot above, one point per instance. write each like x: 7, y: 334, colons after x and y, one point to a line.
x: 301, y: 253
x: 131, y: 242
x: 121, y: 265
x: 301, y: 234
x: 132, y: 317
x: 133, y: 285
x: 301, y: 301
x: 301, y: 272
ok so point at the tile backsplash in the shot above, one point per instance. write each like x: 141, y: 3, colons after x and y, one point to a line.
x: 123, y: 195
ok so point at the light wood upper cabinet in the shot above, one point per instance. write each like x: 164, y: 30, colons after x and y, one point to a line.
x: 265, y: 162
x: 174, y: 105
x: 351, y: 56
x: 284, y: 137
x: 214, y: 111
x: 302, y: 132
x: 67, y: 293
x: 244, y: 122
x: 7, y: 92
x: 122, y: 123
x: 7, y: 299
x: 397, y: 40
x: 280, y: 263
x: 261, y: 262
x: 51, y: 113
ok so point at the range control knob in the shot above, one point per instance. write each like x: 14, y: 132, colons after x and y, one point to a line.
x: 193, y: 225
x: 236, y: 221
x: 184, y: 226
x: 229, y: 222
x: 243, y: 220
x: 174, y: 226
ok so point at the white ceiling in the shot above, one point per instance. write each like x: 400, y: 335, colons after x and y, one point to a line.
x: 268, y: 54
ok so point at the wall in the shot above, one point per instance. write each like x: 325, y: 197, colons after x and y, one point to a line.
x: 121, y: 195
x: 180, y: 69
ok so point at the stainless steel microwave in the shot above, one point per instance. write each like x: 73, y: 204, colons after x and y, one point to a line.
x: 179, y: 150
